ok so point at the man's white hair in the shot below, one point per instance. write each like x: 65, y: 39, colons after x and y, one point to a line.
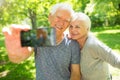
x: 82, y: 17
x: 61, y: 6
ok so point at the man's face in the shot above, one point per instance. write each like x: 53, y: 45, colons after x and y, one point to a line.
x: 78, y: 30
x: 60, y: 21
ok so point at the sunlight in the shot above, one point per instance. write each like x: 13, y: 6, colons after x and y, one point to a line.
x: 110, y: 31
x: 113, y: 70
x: 106, y: 32
x: 90, y: 8
x: 116, y: 50
x: 4, y: 73
x: 2, y: 2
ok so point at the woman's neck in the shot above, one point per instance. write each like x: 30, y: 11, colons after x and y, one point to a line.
x: 82, y: 41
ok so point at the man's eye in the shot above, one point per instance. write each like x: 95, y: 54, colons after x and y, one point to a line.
x: 58, y: 17
x: 77, y: 26
x: 66, y: 20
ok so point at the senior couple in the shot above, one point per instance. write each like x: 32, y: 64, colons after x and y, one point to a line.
x: 78, y: 57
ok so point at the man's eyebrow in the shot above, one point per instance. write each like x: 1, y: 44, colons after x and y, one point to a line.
x: 68, y: 19
x: 58, y: 16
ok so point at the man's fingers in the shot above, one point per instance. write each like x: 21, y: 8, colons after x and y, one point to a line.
x: 20, y: 27
x: 6, y: 31
x: 15, y: 29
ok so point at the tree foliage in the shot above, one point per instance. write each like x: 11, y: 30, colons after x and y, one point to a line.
x: 35, y: 12
x: 104, y: 13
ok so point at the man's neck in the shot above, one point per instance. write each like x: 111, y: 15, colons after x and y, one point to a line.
x: 59, y: 39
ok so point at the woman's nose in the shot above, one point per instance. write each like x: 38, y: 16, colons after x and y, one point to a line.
x: 72, y: 29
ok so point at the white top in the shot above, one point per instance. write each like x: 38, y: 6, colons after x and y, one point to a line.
x: 94, y: 56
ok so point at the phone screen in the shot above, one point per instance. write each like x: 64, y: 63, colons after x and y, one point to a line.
x: 38, y: 37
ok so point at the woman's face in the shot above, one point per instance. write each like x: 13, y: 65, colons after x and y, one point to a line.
x: 78, y: 30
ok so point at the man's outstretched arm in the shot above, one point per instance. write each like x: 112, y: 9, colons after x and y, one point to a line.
x: 16, y: 52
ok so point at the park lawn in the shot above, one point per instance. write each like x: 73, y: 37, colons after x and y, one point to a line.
x: 26, y: 70
x: 10, y: 71
x: 110, y: 36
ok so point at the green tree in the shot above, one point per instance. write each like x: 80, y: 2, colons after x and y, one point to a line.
x: 104, y: 13
x: 35, y: 12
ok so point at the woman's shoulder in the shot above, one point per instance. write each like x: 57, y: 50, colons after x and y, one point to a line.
x: 93, y: 41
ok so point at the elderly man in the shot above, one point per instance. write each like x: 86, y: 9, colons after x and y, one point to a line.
x: 60, y: 62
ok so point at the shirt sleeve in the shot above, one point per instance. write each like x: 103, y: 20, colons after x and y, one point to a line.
x: 75, y: 53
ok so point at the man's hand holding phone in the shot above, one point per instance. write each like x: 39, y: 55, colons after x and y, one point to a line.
x: 40, y: 37
x: 16, y: 52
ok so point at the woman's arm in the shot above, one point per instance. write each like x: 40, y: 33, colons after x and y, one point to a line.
x: 75, y: 72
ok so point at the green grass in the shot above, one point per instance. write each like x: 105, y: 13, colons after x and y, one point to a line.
x: 110, y: 36
x: 26, y: 70
x: 11, y: 71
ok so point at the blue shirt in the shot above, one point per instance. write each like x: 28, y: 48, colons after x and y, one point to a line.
x: 53, y: 63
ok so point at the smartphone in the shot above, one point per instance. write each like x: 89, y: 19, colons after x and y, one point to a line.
x: 38, y: 37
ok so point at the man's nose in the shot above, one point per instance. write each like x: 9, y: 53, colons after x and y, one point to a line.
x: 61, y: 21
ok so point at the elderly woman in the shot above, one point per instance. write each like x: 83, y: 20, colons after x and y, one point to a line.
x: 94, y: 54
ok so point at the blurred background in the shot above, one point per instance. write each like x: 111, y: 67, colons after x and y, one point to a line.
x: 104, y: 14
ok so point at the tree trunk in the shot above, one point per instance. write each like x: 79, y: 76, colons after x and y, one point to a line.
x: 32, y: 15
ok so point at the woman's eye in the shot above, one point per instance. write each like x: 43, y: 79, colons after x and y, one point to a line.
x: 71, y: 26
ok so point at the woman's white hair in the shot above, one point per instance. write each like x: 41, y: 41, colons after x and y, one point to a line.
x: 82, y: 17
x: 61, y: 6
